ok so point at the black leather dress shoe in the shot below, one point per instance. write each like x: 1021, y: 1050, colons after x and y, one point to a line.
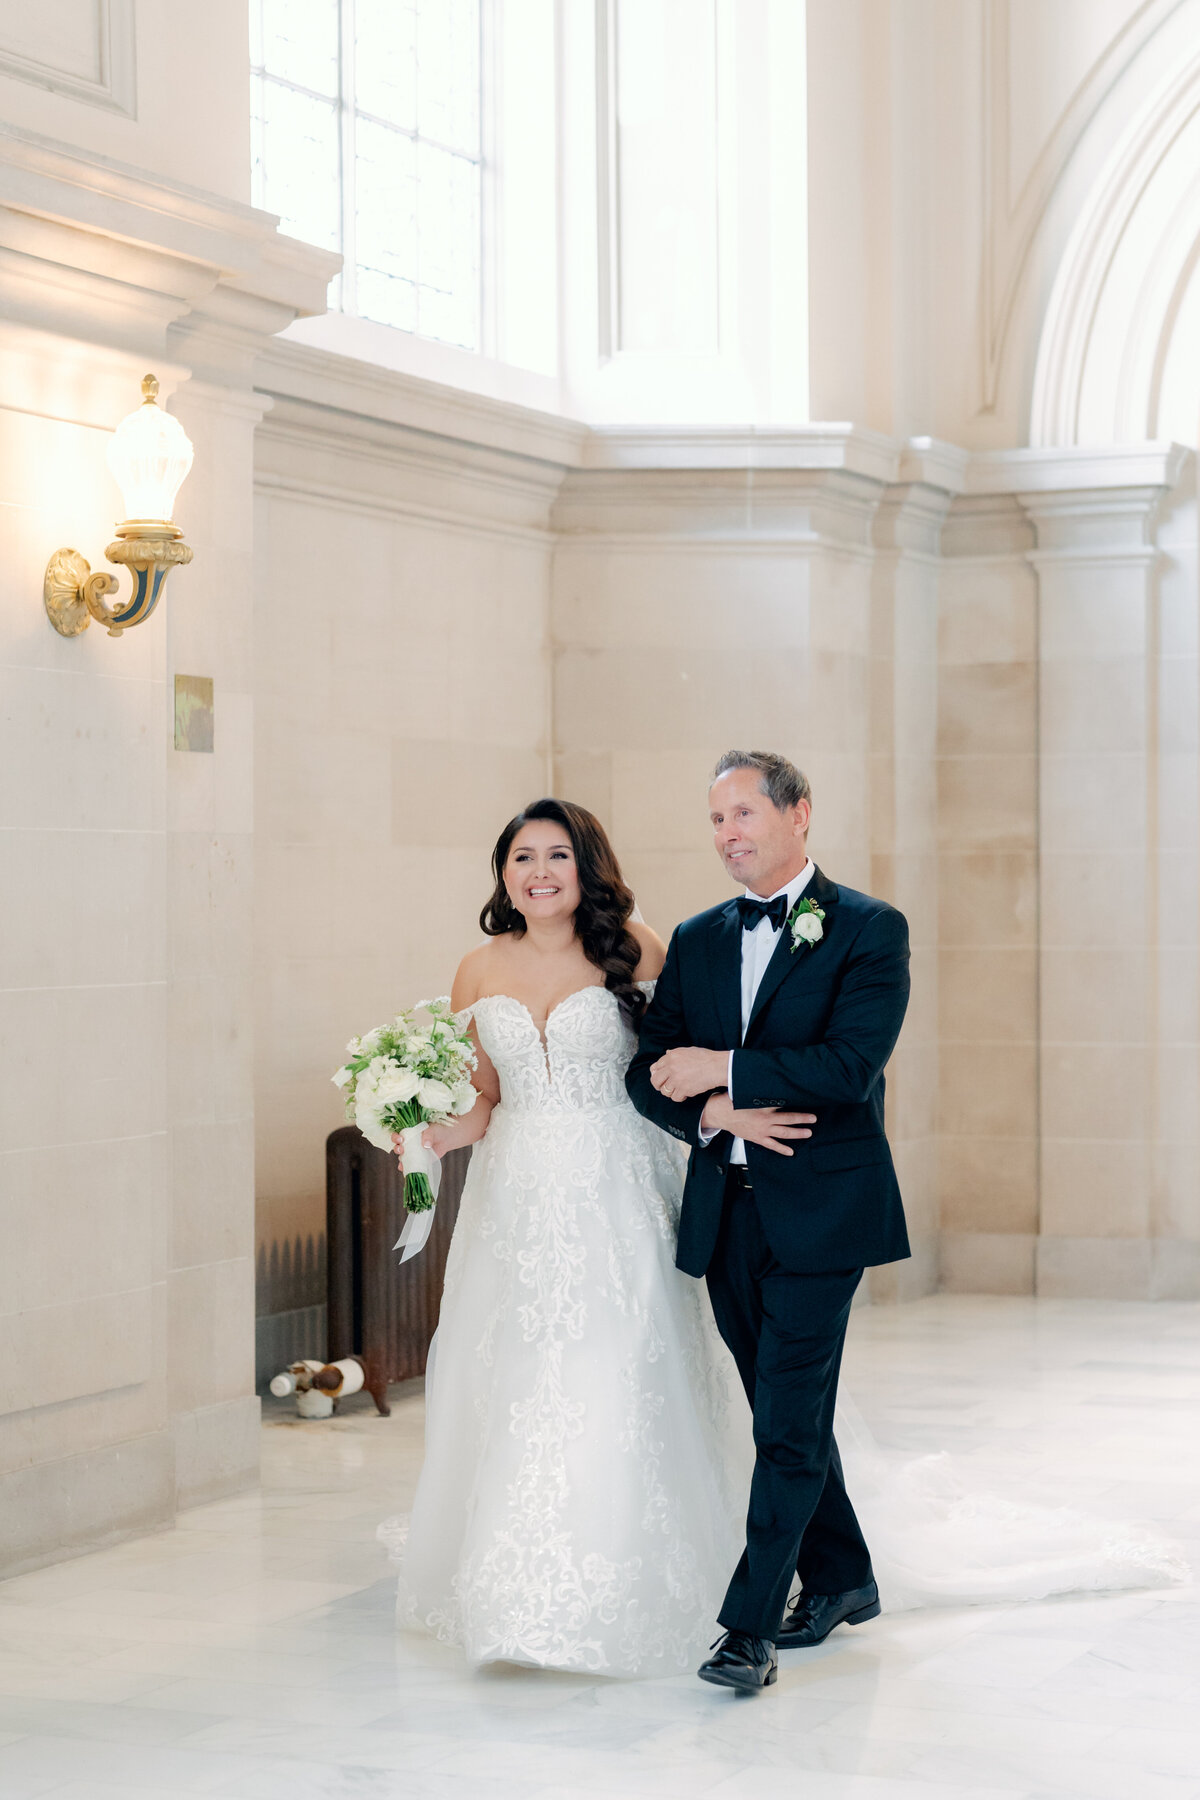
x: 741, y: 1661
x: 814, y: 1616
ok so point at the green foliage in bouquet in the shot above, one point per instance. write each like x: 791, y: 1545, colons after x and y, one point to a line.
x: 407, y: 1074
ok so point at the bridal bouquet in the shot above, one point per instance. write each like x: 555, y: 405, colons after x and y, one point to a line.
x: 404, y: 1076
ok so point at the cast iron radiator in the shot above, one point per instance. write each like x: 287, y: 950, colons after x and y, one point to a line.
x: 381, y: 1311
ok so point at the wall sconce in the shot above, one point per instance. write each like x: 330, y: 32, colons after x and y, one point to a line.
x: 149, y: 455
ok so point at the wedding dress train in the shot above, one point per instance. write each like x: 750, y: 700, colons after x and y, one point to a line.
x: 588, y: 1446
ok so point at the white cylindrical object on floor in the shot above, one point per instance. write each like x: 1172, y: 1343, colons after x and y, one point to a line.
x: 311, y: 1403
x: 291, y: 1378
x: 352, y: 1375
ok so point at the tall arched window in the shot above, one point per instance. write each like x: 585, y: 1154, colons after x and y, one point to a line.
x: 368, y: 139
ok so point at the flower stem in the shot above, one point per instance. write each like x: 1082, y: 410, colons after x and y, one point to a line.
x: 418, y: 1195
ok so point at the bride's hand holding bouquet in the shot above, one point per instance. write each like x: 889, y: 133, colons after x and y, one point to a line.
x: 408, y: 1088
x: 439, y: 1140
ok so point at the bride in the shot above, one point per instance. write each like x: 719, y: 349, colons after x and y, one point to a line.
x: 588, y: 1447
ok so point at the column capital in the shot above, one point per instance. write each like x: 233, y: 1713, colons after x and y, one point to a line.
x: 1085, y: 502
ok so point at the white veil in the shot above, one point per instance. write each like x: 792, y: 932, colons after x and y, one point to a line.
x: 938, y: 1539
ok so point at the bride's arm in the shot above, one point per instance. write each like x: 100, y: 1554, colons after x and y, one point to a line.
x: 654, y: 951
x: 470, y: 1127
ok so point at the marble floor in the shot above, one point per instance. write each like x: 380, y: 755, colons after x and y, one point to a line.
x: 249, y: 1653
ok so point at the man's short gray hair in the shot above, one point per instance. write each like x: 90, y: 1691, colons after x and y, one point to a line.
x: 781, y: 781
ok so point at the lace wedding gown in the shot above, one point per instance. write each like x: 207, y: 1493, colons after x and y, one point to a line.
x: 588, y: 1446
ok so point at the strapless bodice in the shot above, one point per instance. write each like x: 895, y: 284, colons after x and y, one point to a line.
x: 579, y: 1067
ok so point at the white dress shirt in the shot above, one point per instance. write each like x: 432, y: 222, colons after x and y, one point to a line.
x: 758, y: 947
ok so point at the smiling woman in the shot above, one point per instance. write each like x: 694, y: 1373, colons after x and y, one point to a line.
x: 553, y: 863
x: 585, y: 1467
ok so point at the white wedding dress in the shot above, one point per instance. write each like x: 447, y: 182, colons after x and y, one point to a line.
x: 588, y: 1446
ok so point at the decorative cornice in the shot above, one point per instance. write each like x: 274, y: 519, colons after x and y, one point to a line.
x: 852, y: 448
x: 1033, y: 472
x: 353, y: 433
x: 788, y: 505
x: 101, y: 253
x: 363, y: 391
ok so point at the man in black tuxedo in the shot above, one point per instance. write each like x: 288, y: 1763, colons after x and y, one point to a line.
x: 775, y: 1014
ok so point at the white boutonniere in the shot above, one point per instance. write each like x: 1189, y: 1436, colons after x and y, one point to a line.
x: 806, y: 923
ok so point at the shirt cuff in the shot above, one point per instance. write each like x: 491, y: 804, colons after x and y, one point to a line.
x: 706, y: 1137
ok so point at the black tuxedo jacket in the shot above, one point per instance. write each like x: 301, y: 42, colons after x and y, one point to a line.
x: 825, y: 1022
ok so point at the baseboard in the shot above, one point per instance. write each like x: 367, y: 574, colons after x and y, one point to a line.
x: 987, y: 1262
x: 216, y: 1450
x: 1113, y: 1268
x: 895, y: 1283
x: 64, y: 1508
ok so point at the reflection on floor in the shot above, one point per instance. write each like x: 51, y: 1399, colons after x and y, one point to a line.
x: 250, y: 1653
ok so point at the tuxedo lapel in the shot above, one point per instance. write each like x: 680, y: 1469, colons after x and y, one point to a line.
x: 787, y: 962
x: 725, y: 972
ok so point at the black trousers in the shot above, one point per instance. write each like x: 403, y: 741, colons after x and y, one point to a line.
x: 786, y: 1333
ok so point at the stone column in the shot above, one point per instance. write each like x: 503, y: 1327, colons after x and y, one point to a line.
x: 907, y: 532
x: 987, y: 898
x: 1100, y: 867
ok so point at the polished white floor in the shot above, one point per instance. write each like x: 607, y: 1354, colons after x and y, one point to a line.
x: 250, y: 1654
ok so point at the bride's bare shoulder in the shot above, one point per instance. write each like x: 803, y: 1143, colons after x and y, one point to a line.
x: 654, y: 951
x: 471, y: 980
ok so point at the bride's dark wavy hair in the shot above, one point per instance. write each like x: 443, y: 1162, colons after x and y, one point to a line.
x: 605, y: 902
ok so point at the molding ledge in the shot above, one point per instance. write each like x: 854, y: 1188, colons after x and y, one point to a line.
x: 326, y: 381
x: 848, y: 447
x: 98, y: 252
x: 1031, y: 472
x: 543, y: 472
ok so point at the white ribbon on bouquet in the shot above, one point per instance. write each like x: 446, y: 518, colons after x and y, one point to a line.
x: 418, y: 1161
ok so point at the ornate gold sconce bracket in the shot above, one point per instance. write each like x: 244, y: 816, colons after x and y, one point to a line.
x: 149, y: 454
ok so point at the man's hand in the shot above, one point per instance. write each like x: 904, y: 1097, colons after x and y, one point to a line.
x: 765, y: 1125
x: 682, y: 1074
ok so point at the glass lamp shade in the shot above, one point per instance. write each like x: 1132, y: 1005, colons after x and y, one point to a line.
x: 149, y: 454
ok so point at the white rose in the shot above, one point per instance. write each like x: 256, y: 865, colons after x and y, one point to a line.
x: 464, y: 1099
x: 397, y: 1086
x: 372, y: 1127
x: 807, y: 929
x: 435, y: 1096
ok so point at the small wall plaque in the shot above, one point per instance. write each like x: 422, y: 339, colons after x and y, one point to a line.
x: 193, y: 712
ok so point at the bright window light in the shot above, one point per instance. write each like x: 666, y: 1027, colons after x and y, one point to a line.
x: 367, y: 138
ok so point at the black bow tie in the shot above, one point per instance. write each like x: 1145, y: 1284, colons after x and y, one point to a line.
x: 752, y: 912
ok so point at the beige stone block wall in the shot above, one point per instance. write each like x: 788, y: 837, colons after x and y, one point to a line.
x: 402, y: 716
x: 210, y: 1025
x: 903, y: 836
x: 665, y: 657
x: 987, y: 901
x: 83, y: 971
x: 689, y: 621
x: 1174, y: 964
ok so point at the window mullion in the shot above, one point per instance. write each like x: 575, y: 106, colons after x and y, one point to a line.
x: 441, y: 281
